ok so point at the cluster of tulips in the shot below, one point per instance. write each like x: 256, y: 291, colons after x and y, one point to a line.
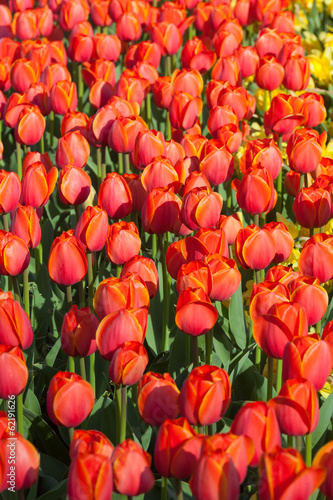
x: 81, y: 84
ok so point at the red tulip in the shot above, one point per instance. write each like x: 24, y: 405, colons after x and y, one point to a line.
x: 147, y: 271
x: 81, y: 48
x: 248, y: 60
x: 160, y: 211
x: 324, y: 458
x: 14, y: 371
x: 128, y: 363
x: 265, y: 295
x: 15, y: 326
x: 63, y: 97
x: 313, y: 108
x: 124, y: 131
x: 114, y: 196
x: 309, y: 358
x: 205, y: 395
x: 10, y: 191
x: 123, y: 242
x: 69, y: 400
x: 201, y: 207
x: 182, y: 252
x: 308, y: 293
x: 90, y: 475
x: 248, y: 242
x: 216, y: 162
x: 90, y: 442
x: 14, y: 254
x: 121, y: 326
x: 78, y: 332
x: 158, y: 398
x: 263, y: 153
x: 195, y: 55
x: 162, y: 92
x: 297, y: 73
x: 131, y: 469
x: 74, y: 185
x: 316, y: 257
x: 195, y: 274
x: 128, y: 27
x: 304, y: 150
x: 25, y: 224
x: 225, y: 277
x: 227, y: 69
x: 99, y: 12
x: 67, y: 261
x: 72, y: 149
x: 39, y: 95
x: 283, y: 240
x: 167, y: 36
x: 195, y: 314
x: 283, y: 474
x: 38, y: 183
x: 285, y: 114
x: 230, y: 224
x: 255, y: 192
x: 92, y: 228
x: 30, y: 126
x: 72, y: 12
x: 159, y: 174
x: 258, y: 421
x: 242, y: 103
x: 23, y: 73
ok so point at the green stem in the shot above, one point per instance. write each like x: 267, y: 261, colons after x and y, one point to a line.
x: 69, y: 296
x: 120, y: 164
x: 258, y: 358
x: 318, y: 327
x: 118, y: 412
x: 279, y: 375
x: 71, y: 433
x: 103, y: 154
x: 209, y: 346
x: 81, y: 294
x: 19, y: 159
x: 195, y: 351
x: 166, y: 292
x: 290, y: 441
x: 90, y: 280
x: 99, y: 166
x: 83, y: 368
x: 41, y: 145
x: 168, y: 133
x: 148, y: 109
x: 164, y: 490
x: 279, y: 182
x: 80, y: 86
x: 229, y: 195
x: 19, y: 413
x: 92, y: 380
x: 299, y: 443
x: 168, y: 65
x: 38, y: 259
x: 5, y: 222
x: 71, y: 364
x: 17, y: 295
x: 308, y: 450
x: 270, y: 378
x: 123, y: 413
x: 127, y: 163
x: 179, y: 489
x: 26, y: 291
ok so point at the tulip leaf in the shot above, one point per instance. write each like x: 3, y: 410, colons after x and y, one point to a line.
x: 236, y: 318
x: 50, y: 466
x: 31, y: 403
x: 325, y: 417
x: 177, y: 362
x: 223, y: 346
x: 57, y: 493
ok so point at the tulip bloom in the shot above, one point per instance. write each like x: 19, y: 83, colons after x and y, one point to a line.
x: 283, y: 474
x: 148, y: 145
x: 195, y: 314
x: 121, y: 326
x: 167, y: 37
x: 255, y: 248
x: 124, y: 131
x: 216, y: 162
x: 283, y: 240
x: 74, y: 185
x: 67, y: 261
x: 324, y: 458
x: 10, y: 191
x: 15, y: 326
x: 147, y: 271
x: 159, y: 174
x: 123, y: 242
x: 131, y: 469
x: 265, y: 295
x: 78, y: 332
x: 114, y: 196
x: 183, y: 252
x: 316, y: 257
x: 160, y: 211
x: 201, y: 207
x: 30, y: 126
x: 158, y: 398
x: 14, y: 254
x: 258, y: 421
x: 128, y: 363
x: 90, y: 442
x: 23, y: 73
x: 312, y: 207
x: 205, y: 395
x: 92, y: 228
x: 296, y: 407
x: 308, y: 293
x: 37, y: 184
x: 69, y: 399
x: 285, y: 114
x: 225, y: 277
x: 309, y: 358
x: 296, y: 72
x: 14, y: 371
x: 313, y: 108
x: 304, y: 150
x: 255, y: 192
x: 263, y: 152
x: 90, y: 476
x: 63, y: 97
x: 195, y: 274
x: 72, y: 149
x: 195, y: 55
x: 25, y: 224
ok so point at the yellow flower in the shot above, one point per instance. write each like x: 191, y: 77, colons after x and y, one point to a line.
x: 261, y: 95
x: 247, y: 294
x: 328, y: 149
x: 328, y: 387
x: 311, y: 43
x: 320, y: 68
x: 289, y: 225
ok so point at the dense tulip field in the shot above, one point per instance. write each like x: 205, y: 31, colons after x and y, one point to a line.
x: 166, y: 249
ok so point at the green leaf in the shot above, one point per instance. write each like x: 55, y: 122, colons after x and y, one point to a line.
x: 236, y: 318
x: 31, y: 403
x: 57, y: 493
x: 325, y: 417
x: 52, y: 467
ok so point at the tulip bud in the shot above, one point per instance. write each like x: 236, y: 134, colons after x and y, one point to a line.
x: 14, y: 371
x: 78, y: 332
x: 67, y: 261
x: 14, y: 254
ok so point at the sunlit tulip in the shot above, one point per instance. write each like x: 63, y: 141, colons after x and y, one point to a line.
x: 23, y: 73
x: 132, y: 87
x: 90, y: 441
x: 195, y: 314
x: 25, y: 224
x: 67, y: 263
x: 225, y: 277
x: 269, y: 73
x: 90, y: 474
x: 10, y: 191
x: 285, y: 114
x: 309, y: 358
x: 146, y: 269
x: 81, y: 48
x: 14, y: 371
x: 264, y: 153
x: 128, y: 363
x: 227, y: 69
x: 37, y: 183
x: 124, y: 131
x: 308, y: 293
x: 296, y: 73
x: 14, y: 254
x: 283, y: 241
x: 121, y: 326
x: 201, y: 207
x: 195, y: 274
x: 296, y: 407
x: 30, y: 126
x: 54, y: 73
x: 123, y: 242
x: 127, y: 291
x: 73, y: 12
x: 63, y: 97
x: 247, y: 244
x: 283, y: 474
x: 183, y: 252
x: 316, y: 257
x: 92, y: 228
x: 78, y: 332
x: 69, y: 399
x: 167, y: 37
x: 99, y: 12
x: 248, y: 59
x: 195, y: 55
x: 230, y: 224
x: 72, y: 149
x: 205, y: 395
x: 313, y: 108
x: 158, y: 398
x: 74, y: 185
x: 304, y: 150
x: 242, y: 102
x: 324, y: 458
x: 74, y: 121
x: 184, y: 110
x: 265, y: 295
x: 114, y: 196
x: 160, y: 211
x: 162, y: 92
x: 15, y: 326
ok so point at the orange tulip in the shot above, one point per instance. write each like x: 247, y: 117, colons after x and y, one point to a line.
x: 167, y: 36
x: 195, y: 274
x: 74, y: 185
x: 316, y: 257
x: 248, y: 242
x: 15, y: 326
x: 265, y: 295
x: 216, y: 162
x: 160, y: 211
x: 73, y: 12
x: 90, y: 475
x: 123, y: 242
x: 205, y: 395
x: 195, y: 55
x: 227, y: 69
x: 304, y: 150
x: 124, y: 131
x: 230, y: 224
x: 195, y: 314
x: 25, y: 224
x: 37, y: 182
x: 225, y: 277
x: 283, y: 241
x: 263, y: 153
x: 242, y: 103
x: 269, y: 73
x: 30, y: 126
x: 78, y: 332
x: 14, y: 254
x: 99, y: 12
x: 69, y: 399
x: 67, y: 261
x: 92, y: 228
x: 72, y: 149
x: 296, y: 73
x: 285, y: 114
x: 248, y: 59
x: 324, y: 458
x: 147, y: 271
x: 10, y: 191
x: 313, y: 108
x: 158, y: 398
x: 128, y: 363
x: 114, y: 196
x: 63, y: 97
x: 132, y: 87
x: 14, y: 371
x: 296, y: 407
x: 81, y: 48
x: 283, y: 474
x: 201, y: 207
x: 183, y: 252
x: 308, y: 293
x: 23, y: 73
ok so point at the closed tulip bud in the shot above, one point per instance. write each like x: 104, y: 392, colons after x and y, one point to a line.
x: 54, y: 73
x: 147, y: 271
x: 124, y: 131
x: 184, y: 110
x: 192, y: 213
x: 304, y: 150
x: 324, y: 458
x: 10, y: 191
x: 90, y: 474
x: 219, y: 117
x: 74, y: 121
x: 296, y: 407
x: 78, y: 332
x: 225, y: 277
x: 296, y: 73
x: 14, y: 254
x: 158, y: 398
x: 67, y: 261
x: 268, y: 42
x: 131, y: 469
x: 92, y: 228
x: 195, y: 314
x: 160, y: 211
x: 195, y: 55
x: 72, y: 149
x: 121, y: 326
x: 214, y: 473
x: 159, y: 174
x: 248, y: 60
x: 230, y: 224
x: 15, y: 326
x: 99, y: 12
x: 69, y: 400
x: 227, y: 69
x: 63, y: 97
x: 283, y: 322
x: 37, y: 183
x: 25, y: 224
x: 74, y: 185
x: 183, y: 252
x: 195, y: 274
x: 283, y: 474
x: 123, y: 242
x: 23, y: 73
x: 128, y: 363
x: 248, y: 242
x: 283, y: 241
x: 242, y: 103
x: 81, y: 48
x: 316, y: 257
x: 308, y: 293
x: 90, y: 442
x: 127, y: 291
x: 12, y: 108
x: 132, y: 87
x: 216, y: 162
x: 205, y: 395
x: 73, y: 12
x: 258, y: 421
x: 312, y: 207
x: 269, y: 73
x: 167, y: 36
x: 114, y: 196
x: 313, y: 108
x: 309, y: 358
x: 30, y: 126
x: 14, y: 371
x: 162, y: 92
